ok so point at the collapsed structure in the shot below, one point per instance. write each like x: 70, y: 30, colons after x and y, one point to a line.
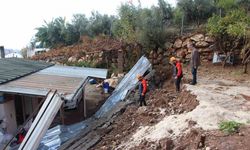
x: 25, y: 84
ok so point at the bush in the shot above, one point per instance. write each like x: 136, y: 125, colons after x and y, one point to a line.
x: 229, y: 127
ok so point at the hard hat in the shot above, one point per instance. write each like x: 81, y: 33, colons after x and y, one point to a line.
x: 139, y: 77
x: 172, y: 59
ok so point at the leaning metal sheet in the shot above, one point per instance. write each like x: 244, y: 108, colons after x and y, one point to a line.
x: 127, y: 83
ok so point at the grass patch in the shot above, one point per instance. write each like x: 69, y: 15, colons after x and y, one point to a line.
x: 229, y: 127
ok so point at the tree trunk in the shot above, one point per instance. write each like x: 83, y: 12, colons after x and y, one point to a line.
x: 245, y: 68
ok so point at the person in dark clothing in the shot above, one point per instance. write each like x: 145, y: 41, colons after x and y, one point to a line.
x: 142, y: 89
x: 195, y: 62
x: 177, y: 72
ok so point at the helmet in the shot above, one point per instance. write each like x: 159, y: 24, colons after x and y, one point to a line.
x: 139, y: 77
x: 172, y: 59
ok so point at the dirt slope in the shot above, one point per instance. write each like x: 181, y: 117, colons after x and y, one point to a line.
x: 188, y: 120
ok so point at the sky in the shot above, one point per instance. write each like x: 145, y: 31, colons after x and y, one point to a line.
x: 20, y: 18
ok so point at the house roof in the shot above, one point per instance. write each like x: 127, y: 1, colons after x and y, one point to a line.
x: 65, y: 79
x: 40, y: 85
x: 69, y: 71
x: 14, y: 68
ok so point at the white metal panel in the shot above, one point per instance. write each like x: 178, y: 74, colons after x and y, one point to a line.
x: 42, y: 122
x: 70, y: 71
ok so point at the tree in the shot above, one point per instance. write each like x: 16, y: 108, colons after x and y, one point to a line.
x: 245, y: 55
x: 229, y: 31
x: 244, y: 4
x: 24, y: 52
x: 125, y: 27
x: 196, y: 10
x: 76, y: 29
x: 53, y: 33
x: 99, y: 24
x: 151, y: 28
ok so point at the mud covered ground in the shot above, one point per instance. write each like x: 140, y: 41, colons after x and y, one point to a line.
x: 160, y: 102
x: 136, y: 127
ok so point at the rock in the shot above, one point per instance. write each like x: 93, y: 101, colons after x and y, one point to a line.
x: 178, y: 43
x: 101, y: 54
x: 201, y: 44
x: 155, y: 55
x: 152, y: 121
x: 241, y: 134
x: 188, y: 56
x: 141, y: 110
x: 80, y: 60
x: 104, y: 148
x: 206, y: 50
x: 168, y: 45
x: 197, y: 37
x: 160, y: 51
x: 170, y: 131
x: 208, y: 148
x: 184, y: 44
x: 118, y: 136
x: 72, y: 59
x: 209, y: 39
x: 180, y: 52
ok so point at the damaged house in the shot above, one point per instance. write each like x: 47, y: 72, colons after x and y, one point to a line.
x: 25, y: 85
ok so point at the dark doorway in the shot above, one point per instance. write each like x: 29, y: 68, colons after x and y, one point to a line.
x: 19, y: 110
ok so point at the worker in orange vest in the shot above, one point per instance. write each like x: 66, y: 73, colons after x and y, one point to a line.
x: 142, y: 89
x: 177, y: 72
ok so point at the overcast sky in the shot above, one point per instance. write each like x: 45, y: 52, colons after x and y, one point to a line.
x: 19, y: 18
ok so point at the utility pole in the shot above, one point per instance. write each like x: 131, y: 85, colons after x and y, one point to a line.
x: 182, y: 23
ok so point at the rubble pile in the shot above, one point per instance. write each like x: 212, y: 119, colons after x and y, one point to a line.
x: 103, y: 51
x: 163, y: 102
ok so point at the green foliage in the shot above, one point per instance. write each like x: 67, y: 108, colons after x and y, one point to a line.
x: 196, y: 10
x: 143, y: 25
x: 99, y: 24
x: 229, y: 127
x: 228, y: 29
x: 226, y: 4
x: 233, y: 24
x: 125, y: 27
x: 245, y: 4
x: 150, y: 31
x: 58, y: 32
x: 52, y: 34
x: 178, y: 14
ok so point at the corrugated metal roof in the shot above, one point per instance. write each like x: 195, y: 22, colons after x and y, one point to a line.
x: 65, y: 79
x: 13, y: 68
x: 36, y: 82
x: 70, y: 71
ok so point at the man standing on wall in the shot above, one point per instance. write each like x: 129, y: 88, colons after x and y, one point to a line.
x: 195, y: 62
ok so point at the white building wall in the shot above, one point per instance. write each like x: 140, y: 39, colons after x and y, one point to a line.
x: 8, y: 114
